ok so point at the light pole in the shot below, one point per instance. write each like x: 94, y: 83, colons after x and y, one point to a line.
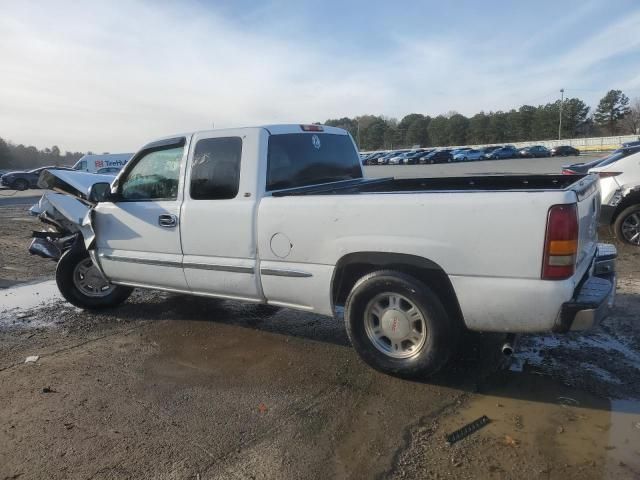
x: 560, y: 122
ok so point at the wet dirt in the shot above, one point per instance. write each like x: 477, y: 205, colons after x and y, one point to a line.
x: 16, y: 265
x: 539, y: 428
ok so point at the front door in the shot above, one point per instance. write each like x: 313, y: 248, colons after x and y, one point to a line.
x: 138, y: 234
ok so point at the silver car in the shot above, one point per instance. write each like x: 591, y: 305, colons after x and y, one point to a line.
x: 467, y: 155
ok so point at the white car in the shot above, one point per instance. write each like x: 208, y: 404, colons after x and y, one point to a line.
x: 620, y: 190
x: 282, y: 215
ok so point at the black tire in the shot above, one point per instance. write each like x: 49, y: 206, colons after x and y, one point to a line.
x: 442, y: 332
x: 20, y: 184
x: 620, y: 219
x: 67, y: 286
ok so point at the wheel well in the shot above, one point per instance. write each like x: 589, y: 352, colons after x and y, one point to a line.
x: 632, y: 198
x: 354, y: 266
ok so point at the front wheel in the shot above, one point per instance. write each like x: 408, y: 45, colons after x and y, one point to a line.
x: 627, y: 225
x: 398, y: 325
x: 81, y: 283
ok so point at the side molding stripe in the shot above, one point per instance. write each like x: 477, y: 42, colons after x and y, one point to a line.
x: 284, y: 273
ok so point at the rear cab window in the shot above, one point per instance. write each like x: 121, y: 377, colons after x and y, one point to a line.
x: 303, y: 159
x: 215, y: 170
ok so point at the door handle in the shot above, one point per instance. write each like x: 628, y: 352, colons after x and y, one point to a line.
x: 167, y: 221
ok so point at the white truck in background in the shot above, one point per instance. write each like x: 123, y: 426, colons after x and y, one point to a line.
x: 104, y: 164
x: 282, y: 215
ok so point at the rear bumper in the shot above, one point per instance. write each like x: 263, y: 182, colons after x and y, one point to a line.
x: 595, y: 295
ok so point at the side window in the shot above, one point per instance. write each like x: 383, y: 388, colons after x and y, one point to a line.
x: 215, y: 170
x: 154, y: 177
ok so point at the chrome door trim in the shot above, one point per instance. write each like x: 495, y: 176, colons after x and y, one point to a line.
x: 169, y: 263
x: 143, y: 261
x: 219, y: 268
x: 278, y: 272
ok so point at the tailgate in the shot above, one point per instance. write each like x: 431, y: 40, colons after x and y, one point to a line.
x: 587, y: 191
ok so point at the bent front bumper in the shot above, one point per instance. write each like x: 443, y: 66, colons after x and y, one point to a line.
x: 594, y: 297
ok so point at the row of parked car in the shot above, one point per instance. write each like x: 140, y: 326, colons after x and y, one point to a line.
x: 465, y: 154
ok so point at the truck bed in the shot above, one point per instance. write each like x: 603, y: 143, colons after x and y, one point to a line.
x: 417, y: 185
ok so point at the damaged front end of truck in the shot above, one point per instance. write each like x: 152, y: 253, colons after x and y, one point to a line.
x: 66, y: 210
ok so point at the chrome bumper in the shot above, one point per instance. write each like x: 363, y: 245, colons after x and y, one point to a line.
x: 594, y: 297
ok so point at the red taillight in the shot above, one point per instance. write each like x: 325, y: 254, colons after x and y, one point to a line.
x: 311, y: 128
x: 608, y: 174
x: 566, y: 171
x: 561, y: 242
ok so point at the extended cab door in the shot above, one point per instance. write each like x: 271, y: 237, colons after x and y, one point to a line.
x: 219, y: 212
x: 138, y: 233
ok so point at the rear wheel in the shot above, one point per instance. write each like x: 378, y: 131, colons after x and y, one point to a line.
x: 627, y: 225
x: 398, y: 325
x: 81, y: 283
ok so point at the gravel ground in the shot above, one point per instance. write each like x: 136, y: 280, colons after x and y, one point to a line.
x: 169, y: 386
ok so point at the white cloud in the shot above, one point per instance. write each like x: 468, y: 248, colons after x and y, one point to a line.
x: 111, y: 76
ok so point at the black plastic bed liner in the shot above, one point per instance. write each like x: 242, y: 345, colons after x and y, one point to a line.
x: 417, y: 185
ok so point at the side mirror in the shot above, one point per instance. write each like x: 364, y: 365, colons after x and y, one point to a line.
x: 99, y: 192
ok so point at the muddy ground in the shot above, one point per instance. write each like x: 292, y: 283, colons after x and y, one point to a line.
x: 168, y: 386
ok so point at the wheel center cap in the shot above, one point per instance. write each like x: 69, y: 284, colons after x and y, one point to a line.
x: 395, y: 324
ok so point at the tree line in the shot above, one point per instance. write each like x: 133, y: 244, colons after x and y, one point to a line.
x: 613, y: 116
x: 25, y: 157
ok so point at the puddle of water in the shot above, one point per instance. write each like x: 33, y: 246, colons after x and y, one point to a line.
x: 16, y: 302
x: 625, y: 432
x: 561, y: 432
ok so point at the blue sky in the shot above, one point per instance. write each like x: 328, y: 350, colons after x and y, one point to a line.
x: 112, y: 75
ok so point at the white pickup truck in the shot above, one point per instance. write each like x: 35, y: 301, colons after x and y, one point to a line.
x: 283, y: 215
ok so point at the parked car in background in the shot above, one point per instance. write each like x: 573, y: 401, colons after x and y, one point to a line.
x: 488, y: 150
x: 372, y: 159
x: 535, y: 151
x: 471, y: 154
x: 581, y: 168
x: 398, y: 159
x: 456, y: 151
x: 620, y: 196
x: 413, y: 157
x: 564, y: 151
x: 384, y: 160
x: 23, y: 180
x: 508, y: 151
x: 408, y: 158
x: 438, y: 156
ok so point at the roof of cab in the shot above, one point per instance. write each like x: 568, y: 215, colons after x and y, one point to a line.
x: 274, y: 129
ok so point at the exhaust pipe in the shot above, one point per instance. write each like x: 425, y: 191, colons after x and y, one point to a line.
x: 509, y: 345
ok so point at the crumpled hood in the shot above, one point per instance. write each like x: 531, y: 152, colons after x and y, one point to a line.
x: 68, y: 206
x: 74, y: 183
